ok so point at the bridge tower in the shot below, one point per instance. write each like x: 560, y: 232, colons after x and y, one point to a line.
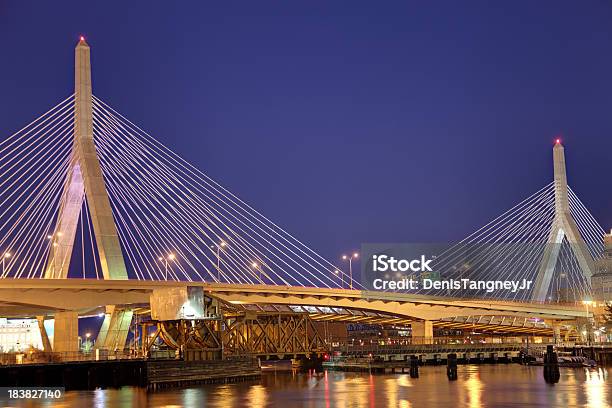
x: 85, y: 182
x: 85, y: 185
x: 563, y: 226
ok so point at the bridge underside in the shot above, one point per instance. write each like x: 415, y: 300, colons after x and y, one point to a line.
x: 267, y: 321
x: 19, y: 296
x: 499, y: 325
x: 280, y: 331
x: 45, y: 297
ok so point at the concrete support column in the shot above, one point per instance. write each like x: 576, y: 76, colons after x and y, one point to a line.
x: 556, y: 327
x: 557, y: 332
x: 66, y: 332
x: 115, y: 328
x: 422, y: 332
x: 43, y: 334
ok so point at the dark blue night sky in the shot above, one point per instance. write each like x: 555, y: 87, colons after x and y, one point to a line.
x: 344, y: 122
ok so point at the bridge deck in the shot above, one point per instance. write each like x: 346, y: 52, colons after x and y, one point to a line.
x: 32, y: 296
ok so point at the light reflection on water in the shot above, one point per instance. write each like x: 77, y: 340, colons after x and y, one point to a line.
x: 477, y: 386
x: 474, y: 387
x: 596, y: 388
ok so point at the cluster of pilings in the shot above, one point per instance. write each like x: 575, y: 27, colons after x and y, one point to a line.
x: 451, y: 367
x: 551, y: 366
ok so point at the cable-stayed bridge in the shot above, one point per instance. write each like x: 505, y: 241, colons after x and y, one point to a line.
x: 96, y: 213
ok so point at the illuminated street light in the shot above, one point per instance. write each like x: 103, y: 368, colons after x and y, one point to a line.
x: 255, y: 265
x: 587, y: 303
x: 219, y: 246
x: 166, y: 261
x: 350, y: 258
x: 341, y: 276
x: 6, y: 255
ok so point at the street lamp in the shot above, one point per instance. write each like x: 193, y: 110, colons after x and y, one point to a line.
x: 350, y: 258
x: 587, y: 303
x: 6, y: 255
x: 219, y: 246
x: 51, y: 237
x: 166, y: 261
x: 256, y: 266
x: 341, y: 276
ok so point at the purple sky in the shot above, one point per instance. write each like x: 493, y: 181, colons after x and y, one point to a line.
x: 344, y: 122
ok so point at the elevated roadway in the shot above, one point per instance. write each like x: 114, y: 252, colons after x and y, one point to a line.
x: 28, y: 297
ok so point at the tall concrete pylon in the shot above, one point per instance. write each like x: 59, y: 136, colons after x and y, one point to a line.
x: 85, y: 180
x: 563, y: 226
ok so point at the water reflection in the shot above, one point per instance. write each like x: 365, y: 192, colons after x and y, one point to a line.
x: 596, y: 387
x: 391, y: 389
x: 193, y: 397
x: 569, y: 399
x: 99, y: 399
x: 257, y: 396
x: 397, y: 394
x: 222, y: 397
x: 474, y: 387
x: 477, y: 386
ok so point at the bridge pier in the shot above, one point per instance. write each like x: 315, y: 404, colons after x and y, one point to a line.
x: 422, y: 332
x: 556, y: 332
x: 43, y: 334
x: 115, y: 327
x: 66, y: 332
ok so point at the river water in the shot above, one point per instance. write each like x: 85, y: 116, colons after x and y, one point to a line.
x: 477, y: 386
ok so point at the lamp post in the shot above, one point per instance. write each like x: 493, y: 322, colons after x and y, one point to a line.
x: 6, y: 255
x: 350, y: 258
x: 166, y: 261
x: 54, y: 244
x: 219, y: 246
x: 256, y: 266
x: 341, y: 276
x: 587, y: 303
x: 562, y: 284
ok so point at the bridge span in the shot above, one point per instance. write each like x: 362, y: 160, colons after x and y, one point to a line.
x: 21, y: 297
x: 264, y: 319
